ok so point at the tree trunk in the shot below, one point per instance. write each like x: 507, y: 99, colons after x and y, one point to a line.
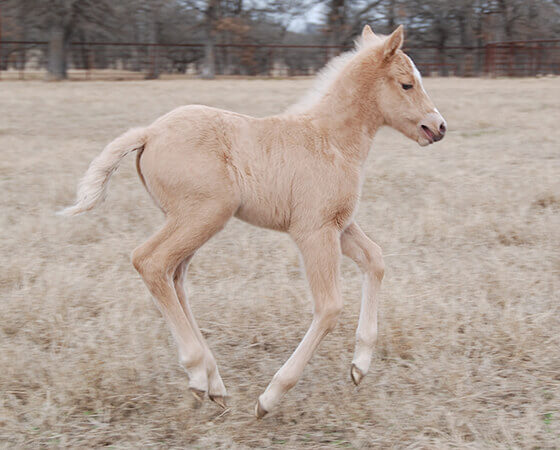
x: 153, y: 72
x: 442, y: 57
x: 336, y: 21
x: 465, y: 61
x: 209, y: 68
x: 58, y: 46
x: 391, y: 20
x: 22, y: 23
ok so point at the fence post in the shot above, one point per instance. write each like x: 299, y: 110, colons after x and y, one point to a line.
x: 153, y: 73
x: 89, y: 63
x: 538, y: 51
x: 510, y: 60
x: 21, y: 76
x: 487, y: 59
x: 156, y: 62
x: 1, y: 59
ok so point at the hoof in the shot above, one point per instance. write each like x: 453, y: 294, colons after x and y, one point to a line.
x: 356, y: 375
x: 219, y: 400
x: 198, y: 394
x: 260, y: 412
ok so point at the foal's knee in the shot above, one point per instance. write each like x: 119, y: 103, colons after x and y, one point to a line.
x: 328, y: 316
x: 374, y: 263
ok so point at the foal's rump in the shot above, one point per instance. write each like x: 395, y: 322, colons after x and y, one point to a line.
x: 187, y: 157
x: 183, y: 154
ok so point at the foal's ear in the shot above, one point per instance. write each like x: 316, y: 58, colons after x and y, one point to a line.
x: 393, y: 43
x: 368, y: 34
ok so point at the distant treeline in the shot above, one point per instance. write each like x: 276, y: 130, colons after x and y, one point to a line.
x: 430, y: 23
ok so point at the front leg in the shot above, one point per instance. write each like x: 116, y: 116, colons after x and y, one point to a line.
x: 321, y: 257
x: 367, y: 255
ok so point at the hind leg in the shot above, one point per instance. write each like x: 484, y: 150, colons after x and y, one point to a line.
x: 216, y: 388
x: 157, y: 261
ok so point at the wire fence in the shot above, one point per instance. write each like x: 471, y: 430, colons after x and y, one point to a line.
x: 133, y: 60
x: 523, y: 58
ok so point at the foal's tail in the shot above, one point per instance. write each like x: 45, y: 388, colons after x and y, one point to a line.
x: 93, y: 186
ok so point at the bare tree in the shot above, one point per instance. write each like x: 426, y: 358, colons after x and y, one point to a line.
x: 429, y: 23
x: 60, y: 18
x: 210, y: 19
x: 345, y: 18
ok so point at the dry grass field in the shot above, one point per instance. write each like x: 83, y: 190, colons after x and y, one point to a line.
x: 469, y: 341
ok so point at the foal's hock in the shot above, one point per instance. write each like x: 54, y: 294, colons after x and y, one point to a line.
x: 300, y: 172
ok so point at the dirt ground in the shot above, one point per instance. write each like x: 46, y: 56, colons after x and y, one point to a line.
x: 469, y: 331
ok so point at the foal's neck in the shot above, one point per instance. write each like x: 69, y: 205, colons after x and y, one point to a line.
x: 348, y: 119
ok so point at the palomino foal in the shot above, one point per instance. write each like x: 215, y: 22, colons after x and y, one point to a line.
x: 300, y: 172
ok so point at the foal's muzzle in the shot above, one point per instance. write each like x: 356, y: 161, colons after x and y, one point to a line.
x: 432, y: 128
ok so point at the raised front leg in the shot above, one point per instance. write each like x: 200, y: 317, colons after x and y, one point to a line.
x: 321, y: 256
x: 367, y: 255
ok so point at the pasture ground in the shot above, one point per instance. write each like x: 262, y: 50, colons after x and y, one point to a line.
x: 469, y: 342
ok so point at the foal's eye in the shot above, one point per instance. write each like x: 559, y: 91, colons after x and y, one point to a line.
x: 406, y: 87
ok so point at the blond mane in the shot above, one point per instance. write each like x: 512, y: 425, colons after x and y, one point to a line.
x: 328, y: 74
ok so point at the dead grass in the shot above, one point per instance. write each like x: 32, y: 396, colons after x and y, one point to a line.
x: 469, y: 346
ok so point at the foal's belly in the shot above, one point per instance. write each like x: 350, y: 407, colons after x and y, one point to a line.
x: 264, y: 214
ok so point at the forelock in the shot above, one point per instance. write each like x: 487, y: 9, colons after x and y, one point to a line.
x: 401, y: 64
x: 414, y: 69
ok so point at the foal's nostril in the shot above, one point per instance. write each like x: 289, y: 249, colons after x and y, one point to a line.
x: 442, y: 128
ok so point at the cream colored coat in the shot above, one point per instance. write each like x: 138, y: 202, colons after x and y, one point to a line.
x: 300, y: 172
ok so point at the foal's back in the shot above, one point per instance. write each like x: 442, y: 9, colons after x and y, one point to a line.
x: 277, y: 169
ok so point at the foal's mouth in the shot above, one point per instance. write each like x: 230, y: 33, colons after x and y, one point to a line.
x: 430, y: 135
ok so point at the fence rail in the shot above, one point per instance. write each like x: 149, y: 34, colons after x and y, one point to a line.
x: 524, y: 58
x: 133, y: 60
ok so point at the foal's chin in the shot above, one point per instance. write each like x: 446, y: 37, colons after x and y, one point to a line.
x: 423, y: 142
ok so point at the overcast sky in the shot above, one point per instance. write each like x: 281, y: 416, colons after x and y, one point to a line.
x: 313, y: 15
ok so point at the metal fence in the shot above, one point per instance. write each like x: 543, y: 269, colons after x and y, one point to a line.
x: 523, y: 58
x: 132, y: 60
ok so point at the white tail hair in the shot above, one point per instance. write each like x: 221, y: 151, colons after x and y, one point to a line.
x: 93, y: 186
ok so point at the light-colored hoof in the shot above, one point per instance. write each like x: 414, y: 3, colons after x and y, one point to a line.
x: 198, y: 394
x: 219, y: 400
x: 356, y: 375
x: 260, y: 412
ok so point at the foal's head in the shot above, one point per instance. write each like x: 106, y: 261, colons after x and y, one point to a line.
x: 398, y: 91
